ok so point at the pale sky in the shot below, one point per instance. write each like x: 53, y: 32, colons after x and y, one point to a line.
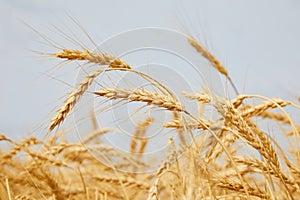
x: 257, y: 40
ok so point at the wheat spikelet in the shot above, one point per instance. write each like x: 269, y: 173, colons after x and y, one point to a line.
x: 294, y: 132
x: 4, y: 138
x: 95, y: 134
x: 141, y: 95
x: 201, y: 97
x: 118, y: 63
x: 153, y: 191
x: 23, y: 197
x: 239, y: 100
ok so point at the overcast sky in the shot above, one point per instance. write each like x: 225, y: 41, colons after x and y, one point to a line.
x: 258, y: 40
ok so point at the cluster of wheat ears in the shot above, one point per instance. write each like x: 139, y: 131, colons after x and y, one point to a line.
x: 231, y: 158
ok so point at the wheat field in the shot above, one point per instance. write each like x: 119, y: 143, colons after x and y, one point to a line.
x: 231, y: 157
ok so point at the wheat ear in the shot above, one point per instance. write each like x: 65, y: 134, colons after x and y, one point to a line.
x: 201, y: 97
x: 92, y: 57
x: 75, y: 95
x: 140, y: 131
x: 142, y: 95
x: 261, y: 108
x: 72, y: 99
x: 254, y: 136
x: 212, y: 59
